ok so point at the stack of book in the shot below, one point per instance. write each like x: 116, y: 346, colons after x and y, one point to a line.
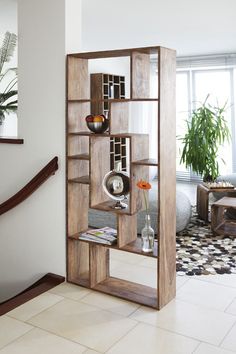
x: 105, y: 235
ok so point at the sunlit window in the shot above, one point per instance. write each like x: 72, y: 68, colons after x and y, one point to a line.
x: 194, y: 83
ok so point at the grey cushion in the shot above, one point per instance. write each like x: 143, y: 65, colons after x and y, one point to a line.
x: 183, y: 214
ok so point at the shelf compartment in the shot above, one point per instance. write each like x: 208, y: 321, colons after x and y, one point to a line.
x: 78, y: 83
x: 78, y: 267
x: 146, y: 162
x: 107, y: 206
x: 81, y: 180
x: 77, y: 111
x: 136, y: 247
x: 128, y: 290
x: 132, y: 247
x: 140, y: 71
x: 78, y: 204
x: 227, y: 227
x: 77, y: 237
x: 79, y: 157
x: 99, y: 167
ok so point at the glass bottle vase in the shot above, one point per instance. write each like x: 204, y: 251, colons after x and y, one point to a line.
x: 147, y: 235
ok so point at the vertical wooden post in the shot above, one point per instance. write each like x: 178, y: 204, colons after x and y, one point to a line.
x: 99, y: 264
x: 167, y: 177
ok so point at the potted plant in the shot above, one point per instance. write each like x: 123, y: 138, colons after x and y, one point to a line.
x: 8, y: 92
x: 206, y: 131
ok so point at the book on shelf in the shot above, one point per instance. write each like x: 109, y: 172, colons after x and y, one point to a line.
x: 105, y: 235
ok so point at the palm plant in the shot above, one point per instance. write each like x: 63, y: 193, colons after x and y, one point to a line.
x: 206, y: 131
x: 8, y: 98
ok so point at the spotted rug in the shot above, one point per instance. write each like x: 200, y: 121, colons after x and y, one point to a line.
x: 199, y: 252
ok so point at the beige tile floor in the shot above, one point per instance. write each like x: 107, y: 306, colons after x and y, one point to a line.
x: 69, y: 319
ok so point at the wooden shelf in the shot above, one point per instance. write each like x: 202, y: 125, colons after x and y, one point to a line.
x: 128, y: 290
x: 132, y: 247
x: 118, y: 135
x: 81, y: 180
x: 146, y: 162
x: 79, y: 157
x: 77, y: 237
x: 11, y: 140
x: 107, y: 206
x: 114, y: 100
x: 115, y: 53
x: 135, y: 247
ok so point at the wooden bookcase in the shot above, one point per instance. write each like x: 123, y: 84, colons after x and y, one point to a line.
x: 88, y: 160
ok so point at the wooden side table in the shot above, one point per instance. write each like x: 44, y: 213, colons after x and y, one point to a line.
x: 203, y: 198
x: 219, y: 224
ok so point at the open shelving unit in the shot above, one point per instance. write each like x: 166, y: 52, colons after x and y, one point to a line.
x: 90, y: 156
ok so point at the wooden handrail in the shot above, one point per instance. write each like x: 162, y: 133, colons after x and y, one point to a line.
x: 30, y: 187
x: 44, y: 284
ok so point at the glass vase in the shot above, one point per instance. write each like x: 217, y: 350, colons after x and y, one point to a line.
x: 147, y: 235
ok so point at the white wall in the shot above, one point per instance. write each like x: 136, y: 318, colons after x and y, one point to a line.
x: 32, y: 236
x: 190, y: 27
x: 73, y: 26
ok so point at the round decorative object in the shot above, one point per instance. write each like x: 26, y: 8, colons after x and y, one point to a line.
x: 97, y: 123
x: 98, y: 127
x: 116, y: 185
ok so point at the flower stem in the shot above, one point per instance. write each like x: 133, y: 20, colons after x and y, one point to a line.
x: 145, y: 201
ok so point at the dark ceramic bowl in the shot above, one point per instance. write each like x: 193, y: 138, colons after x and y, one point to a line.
x: 98, y: 127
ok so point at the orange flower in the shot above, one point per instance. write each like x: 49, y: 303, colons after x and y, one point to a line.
x: 144, y: 185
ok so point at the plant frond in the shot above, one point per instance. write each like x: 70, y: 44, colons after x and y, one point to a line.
x: 7, y: 49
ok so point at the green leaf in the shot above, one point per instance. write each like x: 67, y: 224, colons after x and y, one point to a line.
x: 206, y: 131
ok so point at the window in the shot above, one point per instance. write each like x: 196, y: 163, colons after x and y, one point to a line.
x: 196, y: 78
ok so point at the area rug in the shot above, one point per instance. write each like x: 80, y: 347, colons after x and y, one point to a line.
x: 201, y: 253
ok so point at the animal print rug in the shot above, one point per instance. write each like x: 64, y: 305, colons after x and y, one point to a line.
x: 199, y: 252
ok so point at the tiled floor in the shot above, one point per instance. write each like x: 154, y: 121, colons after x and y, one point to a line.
x: 72, y: 320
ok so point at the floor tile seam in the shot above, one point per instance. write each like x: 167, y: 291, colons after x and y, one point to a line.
x: 177, y: 289
x: 194, y: 351
x: 205, y: 307
x: 109, y: 310
x: 97, y: 307
x: 61, y: 336
x: 123, y: 336
x: 198, y: 342
x: 14, y: 340
x: 215, y: 283
x: 77, y: 342
x: 229, y: 306
x: 69, y: 298
x: 220, y: 345
x: 38, y: 313
x: 178, y: 333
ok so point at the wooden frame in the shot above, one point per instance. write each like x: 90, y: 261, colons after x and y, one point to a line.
x: 88, y: 262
